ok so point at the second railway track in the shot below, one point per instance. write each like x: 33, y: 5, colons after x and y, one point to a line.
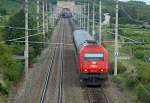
x: 55, y: 63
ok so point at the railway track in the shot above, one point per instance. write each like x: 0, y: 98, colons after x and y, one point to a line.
x: 96, y: 95
x: 47, y: 77
x: 61, y: 68
x: 57, y: 53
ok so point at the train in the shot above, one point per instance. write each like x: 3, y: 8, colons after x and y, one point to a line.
x: 92, y: 59
x: 65, y: 13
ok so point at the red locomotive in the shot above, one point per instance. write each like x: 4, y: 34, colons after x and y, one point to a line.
x: 92, y: 58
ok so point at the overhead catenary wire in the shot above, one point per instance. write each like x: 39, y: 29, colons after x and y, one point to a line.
x: 19, y: 28
x: 129, y: 16
x: 135, y: 41
x: 15, y: 39
x: 50, y: 43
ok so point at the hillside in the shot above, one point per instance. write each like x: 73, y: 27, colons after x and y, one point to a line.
x: 9, y: 7
x: 132, y: 12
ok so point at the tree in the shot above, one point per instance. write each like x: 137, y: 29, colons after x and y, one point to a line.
x: 18, y: 21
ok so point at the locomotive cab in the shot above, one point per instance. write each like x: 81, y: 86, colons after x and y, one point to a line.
x: 92, y: 58
x: 93, y: 64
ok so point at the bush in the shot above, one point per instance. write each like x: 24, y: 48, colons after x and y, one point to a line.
x: 143, y: 72
x: 3, y: 90
x: 17, y: 20
x: 139, y: 55
x: 131, y: 81
x: 10, y: 69
x: 142, y: 95
x: 121, y: 68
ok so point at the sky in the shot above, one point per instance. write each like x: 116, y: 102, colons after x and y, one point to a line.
x: 147, y: 1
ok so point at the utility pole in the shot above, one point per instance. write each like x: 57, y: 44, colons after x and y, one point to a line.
x: 80, y: 17
x: 53, y: 22
x: 83, y: 16
x: 84, y: 12
x: 26, y: 52
x: 43, y: 21
x: 46, y: 14
x: 26, y: 39
x: 37, y: 17
x: 93, y: 31
x: 53, y: 16
x: 100, y: 22
x: 88, y: 20
x: 116, y: 41
x: 50, y: 13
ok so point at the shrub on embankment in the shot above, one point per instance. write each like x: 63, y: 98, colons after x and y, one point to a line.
x: 10, y: 69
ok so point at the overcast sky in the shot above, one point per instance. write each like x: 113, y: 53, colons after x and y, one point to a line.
x: 147, y: 1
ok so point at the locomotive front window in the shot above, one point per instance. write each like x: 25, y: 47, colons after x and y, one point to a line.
x: 94, y: 56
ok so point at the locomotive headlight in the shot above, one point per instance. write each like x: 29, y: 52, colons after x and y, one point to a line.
x: 93, y: 62
x: 101, y: 70
x: 85, y: 70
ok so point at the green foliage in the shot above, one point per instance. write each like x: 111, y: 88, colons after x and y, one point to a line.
x: 17, y: 48
x: 10, y: 69
x: 131, y: 81
x: 138, y: 10
x: 139, y: 55
x: 121, y: 67
x: 138, y: 81
x: 142, y: 94
x: 3, y: 90
x: 18, y: 20
x: 2, y: 12
x: 9, y: 6
x: 143, y: 72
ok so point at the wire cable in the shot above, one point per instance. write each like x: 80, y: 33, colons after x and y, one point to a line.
x: 129, y: 16
x: 2, y: 42
x: 19, y: 28
x: 135, y: 41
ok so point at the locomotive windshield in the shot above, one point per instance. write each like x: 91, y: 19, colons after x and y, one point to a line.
x: 94, y: 56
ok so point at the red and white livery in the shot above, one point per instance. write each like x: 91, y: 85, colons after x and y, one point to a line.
x: 92, y: 58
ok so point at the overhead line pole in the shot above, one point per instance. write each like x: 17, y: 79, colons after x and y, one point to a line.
x: 53, y: 22
x: 26, y: 39
x: 80, y: 17
x: 116, y: 52
x: 88, y: 22
x: 38, y: 12
x: 46, y: 13
x: 93, y: 31
x: 84, y: 22
x: 43, y: 21
x: 49, y: 15
x: 26, y: 52
x: 83, y: 16
x: 100, y: 22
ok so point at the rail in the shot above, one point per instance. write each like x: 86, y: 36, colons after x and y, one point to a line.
x: 42, y: 98
x: 96, y: 95
x: 61, y: 69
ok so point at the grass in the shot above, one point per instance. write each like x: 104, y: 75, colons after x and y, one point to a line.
x: 3, y: 99
x: 137, y: 70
